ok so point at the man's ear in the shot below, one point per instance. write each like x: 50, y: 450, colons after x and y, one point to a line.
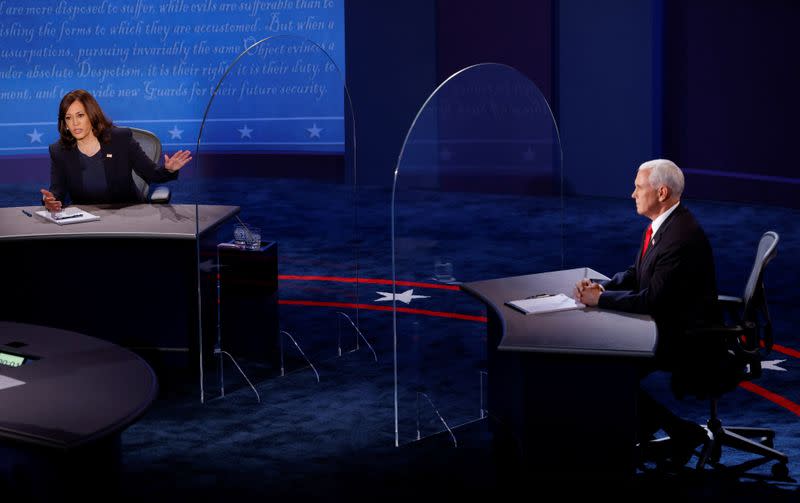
x: 663, y: 193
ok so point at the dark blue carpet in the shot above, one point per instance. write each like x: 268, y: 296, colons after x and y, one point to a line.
x: 334, y: 440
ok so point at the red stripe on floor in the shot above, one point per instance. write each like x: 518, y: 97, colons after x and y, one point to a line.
x: 376, y: 281
x: 772, y: 397
x: 786, y: 351
x: 409, y: 310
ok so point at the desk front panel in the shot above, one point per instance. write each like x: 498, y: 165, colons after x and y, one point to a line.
x: 133, y: 292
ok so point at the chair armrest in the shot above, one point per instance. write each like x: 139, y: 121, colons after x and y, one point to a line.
x: 731, y: 305
x: 721, y: 331
x: 160, y: 195
x: 740, y: 339
x: 728, y: 300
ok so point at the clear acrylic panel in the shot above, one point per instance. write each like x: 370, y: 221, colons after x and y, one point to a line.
x: 272, y: 146
x: 477, y: 195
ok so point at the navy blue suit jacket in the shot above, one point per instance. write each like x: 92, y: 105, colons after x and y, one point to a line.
x: 121, y: 155
x: 675, y: 283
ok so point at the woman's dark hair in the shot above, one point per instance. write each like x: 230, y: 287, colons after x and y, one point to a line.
x: 101, y: 125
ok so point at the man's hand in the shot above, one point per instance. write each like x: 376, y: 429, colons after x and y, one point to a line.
x: 177, y: 161
x: 52, y: 204
x: 588, y: 293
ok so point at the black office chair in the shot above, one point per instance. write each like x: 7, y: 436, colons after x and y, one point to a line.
x: 743, y: 343
x: 160, y: 194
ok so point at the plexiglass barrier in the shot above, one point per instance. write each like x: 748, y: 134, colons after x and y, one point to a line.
x: 276, y: 214
x: 477, y: 195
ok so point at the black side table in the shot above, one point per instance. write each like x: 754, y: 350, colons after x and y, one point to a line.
x: 247, y: 296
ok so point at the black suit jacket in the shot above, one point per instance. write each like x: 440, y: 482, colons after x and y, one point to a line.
x: 121, y: 155
x: 675, y: 282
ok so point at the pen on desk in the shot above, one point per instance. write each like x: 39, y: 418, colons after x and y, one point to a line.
x: 76, y: 215
x: 540, y: 295
x: 27, y: 213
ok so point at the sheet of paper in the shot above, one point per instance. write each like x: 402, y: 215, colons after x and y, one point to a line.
x: 70, y: 215
x: 545, y: 304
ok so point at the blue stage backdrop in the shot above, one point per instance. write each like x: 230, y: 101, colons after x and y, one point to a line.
x: 154, y: 64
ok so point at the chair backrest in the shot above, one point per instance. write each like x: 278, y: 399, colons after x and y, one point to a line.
x: 151, y: 146
x: 722, y: 369
x: 753, y: 296
x: 767, y: 249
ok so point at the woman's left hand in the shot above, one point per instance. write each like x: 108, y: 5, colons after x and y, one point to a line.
x: 177, y: 161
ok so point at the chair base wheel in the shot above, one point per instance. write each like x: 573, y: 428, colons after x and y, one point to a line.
x: 780, y: 471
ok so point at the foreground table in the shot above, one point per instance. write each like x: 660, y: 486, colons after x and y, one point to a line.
x: 65, y: 399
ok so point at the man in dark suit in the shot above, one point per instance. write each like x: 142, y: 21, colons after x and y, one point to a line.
x: 673, y: 280
x: 92, y: 161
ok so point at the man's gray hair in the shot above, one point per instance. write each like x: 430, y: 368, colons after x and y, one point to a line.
x: 665, y: 172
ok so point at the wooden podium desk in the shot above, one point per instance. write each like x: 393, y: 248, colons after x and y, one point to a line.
x: 130, y: 278
x: 563, y: 385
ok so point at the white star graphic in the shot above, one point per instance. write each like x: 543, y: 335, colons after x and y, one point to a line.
x: 36, y: 136
x: 405, y: 297
x: 245, y: 132
x: 313, y: 132
x: 175, y: 133
x: 773, y: 365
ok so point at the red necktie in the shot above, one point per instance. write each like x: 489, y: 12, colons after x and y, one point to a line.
x: 647, y: 236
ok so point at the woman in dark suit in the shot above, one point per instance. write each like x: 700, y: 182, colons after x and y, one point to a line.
x: 92, y: 161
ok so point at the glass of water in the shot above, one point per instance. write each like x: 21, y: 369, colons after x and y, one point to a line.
x: 253, y: 238
x: 240, y: 235
x: 443, y: 269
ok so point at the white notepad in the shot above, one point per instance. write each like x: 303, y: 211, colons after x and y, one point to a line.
x: 545, y: 304
x: 71, y: 215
